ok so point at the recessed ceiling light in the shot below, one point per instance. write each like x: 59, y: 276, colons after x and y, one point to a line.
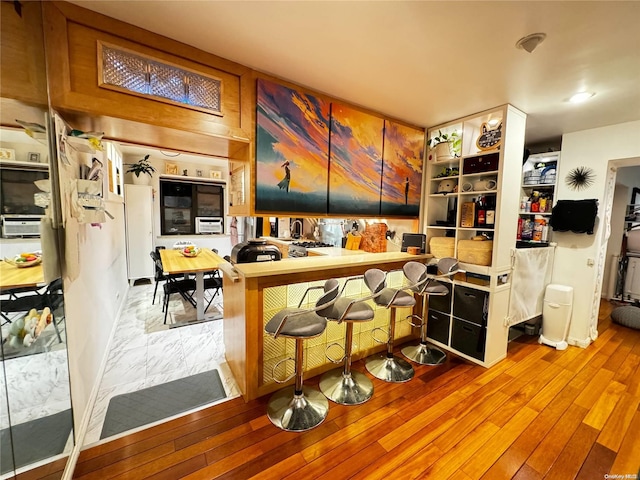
x: 581, y: 97
x: 530, y: 42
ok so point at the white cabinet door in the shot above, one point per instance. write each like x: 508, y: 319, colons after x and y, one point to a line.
x: 139, y: 225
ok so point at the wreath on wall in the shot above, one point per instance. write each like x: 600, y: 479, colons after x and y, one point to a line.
x: 580, y: 178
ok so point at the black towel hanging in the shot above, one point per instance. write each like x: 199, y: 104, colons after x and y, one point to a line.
x: 578, y: 216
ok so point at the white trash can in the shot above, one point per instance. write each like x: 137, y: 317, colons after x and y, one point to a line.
x: 556, y: 316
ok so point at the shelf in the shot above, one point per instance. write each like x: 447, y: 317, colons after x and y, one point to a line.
x: 477, y: 228
x: 539, y: 185
x: 442, y: 227
x: 531, y: 244
x: 480, y: 174
x: 434, y: 179
x: 481, y: 154
x: 535, y: 213
x: 478, y: 192
x: 443, y: 195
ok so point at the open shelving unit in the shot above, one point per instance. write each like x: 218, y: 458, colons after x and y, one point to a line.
x: 472, y: 322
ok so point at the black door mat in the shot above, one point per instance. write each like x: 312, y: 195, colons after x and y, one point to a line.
x: 30, y: 442
x: 132, y: 410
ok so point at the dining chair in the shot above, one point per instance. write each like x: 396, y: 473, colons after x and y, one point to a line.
x: 159, y: 275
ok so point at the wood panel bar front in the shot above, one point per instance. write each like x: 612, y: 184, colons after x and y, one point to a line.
x: 244, y: 286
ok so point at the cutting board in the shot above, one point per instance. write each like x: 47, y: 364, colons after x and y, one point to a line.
x: 353, y: 242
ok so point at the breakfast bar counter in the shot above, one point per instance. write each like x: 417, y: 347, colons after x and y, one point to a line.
x: 254, y: 292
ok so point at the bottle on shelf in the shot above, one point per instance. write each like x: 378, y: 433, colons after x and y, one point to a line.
x: 490, y: 215
x: 480, y: 212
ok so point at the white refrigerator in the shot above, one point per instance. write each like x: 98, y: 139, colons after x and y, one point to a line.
x: 138, y: 209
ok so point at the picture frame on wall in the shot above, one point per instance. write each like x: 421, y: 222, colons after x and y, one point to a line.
x: 170, y: 168
x: 33, y: 157
x: 215, y: 174
x: 292, y: 149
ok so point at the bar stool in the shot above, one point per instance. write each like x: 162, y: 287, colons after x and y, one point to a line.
x: 298, y: 408
x: 416, y: 272
x: 389, y: 367
x: 342, y: 385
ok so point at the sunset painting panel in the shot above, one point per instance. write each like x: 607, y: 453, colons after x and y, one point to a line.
x: 355, y: 161
x: 292, y: 149
x: 402, y: 170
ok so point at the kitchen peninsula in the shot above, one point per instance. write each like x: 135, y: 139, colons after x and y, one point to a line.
x: 254, y: 292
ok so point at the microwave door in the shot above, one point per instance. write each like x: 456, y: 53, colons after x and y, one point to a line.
x: 209, y: 201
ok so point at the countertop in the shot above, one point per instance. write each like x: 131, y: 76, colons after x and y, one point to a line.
x: 340, y: 258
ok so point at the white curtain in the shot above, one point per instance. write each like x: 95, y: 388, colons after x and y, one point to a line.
x: 531, y: 274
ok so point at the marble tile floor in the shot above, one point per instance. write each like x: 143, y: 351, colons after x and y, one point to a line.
x: 36, y: 377
x: 145, y: 353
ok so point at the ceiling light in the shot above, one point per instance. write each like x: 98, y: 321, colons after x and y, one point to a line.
x: 530, y: 42
x: 581, y: 97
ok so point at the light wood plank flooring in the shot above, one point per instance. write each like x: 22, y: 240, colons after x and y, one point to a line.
x: 538, y: 414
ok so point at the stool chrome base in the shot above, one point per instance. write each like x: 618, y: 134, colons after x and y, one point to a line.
x: 297, y: 413
x: 424, y: 354
x: 350, y: 389
x: 390, y: 369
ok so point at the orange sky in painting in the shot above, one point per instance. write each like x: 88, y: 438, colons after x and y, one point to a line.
x: 356, y: 153
x: 403, y: 152
x: 301, y: 140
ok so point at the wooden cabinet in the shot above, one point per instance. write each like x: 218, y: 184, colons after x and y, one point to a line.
x: 537, y: 195
x: 239, y: 189
x: 23, y: 76
x: 485, y: 165
x: 75, y: 39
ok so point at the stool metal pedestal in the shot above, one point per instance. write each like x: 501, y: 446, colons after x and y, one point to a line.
x: 346, y: 386
x: 297, y: 408
x: 387, y: 366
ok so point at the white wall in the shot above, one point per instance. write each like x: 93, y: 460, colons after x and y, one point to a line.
x: 594, y: 148
x: 92, y: 302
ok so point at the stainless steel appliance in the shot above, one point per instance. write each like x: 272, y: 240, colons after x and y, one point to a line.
x: 255, y: 250
x: 209, y: 225
x: 21, y: 225
x: 299, y: 249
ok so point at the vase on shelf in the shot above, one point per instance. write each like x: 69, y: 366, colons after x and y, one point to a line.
x: 142, y: 179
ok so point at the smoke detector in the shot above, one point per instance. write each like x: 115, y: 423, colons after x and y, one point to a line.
x: 530, y: 42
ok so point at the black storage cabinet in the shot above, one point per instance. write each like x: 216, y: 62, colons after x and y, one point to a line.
x: 441, y: 303
x: 471, y: 305
x: 438, y: 326
x: 468, y: 338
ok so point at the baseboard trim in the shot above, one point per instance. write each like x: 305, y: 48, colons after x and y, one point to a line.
x: 86, y: 418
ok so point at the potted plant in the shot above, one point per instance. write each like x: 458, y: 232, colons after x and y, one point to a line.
x: 446, y: 145
x: 142, y: 171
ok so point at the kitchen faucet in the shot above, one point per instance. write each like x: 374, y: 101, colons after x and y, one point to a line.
x: 293, y: 224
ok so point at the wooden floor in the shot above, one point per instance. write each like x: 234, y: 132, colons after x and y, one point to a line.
x: 538, y: 414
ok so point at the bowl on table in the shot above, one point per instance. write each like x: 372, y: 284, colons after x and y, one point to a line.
x: 25, y: 260
x: 190, y: 251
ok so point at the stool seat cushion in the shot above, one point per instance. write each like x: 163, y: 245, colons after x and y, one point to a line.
x: 403, y: 299
x: 359, y: 312
x: 436, y: 288
x: 307, y: 325
x: 628, y: 316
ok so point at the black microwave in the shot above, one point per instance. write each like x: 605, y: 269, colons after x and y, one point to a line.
x: 17, y: 187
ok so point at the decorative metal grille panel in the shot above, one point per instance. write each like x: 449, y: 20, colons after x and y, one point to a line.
x: 149, y: 77
x: 204, y: 92
x: 167, y: 82
x: 124, y: 70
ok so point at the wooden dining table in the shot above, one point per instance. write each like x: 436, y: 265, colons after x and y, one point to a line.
x: 13, y: 277
x: 173, y: 262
